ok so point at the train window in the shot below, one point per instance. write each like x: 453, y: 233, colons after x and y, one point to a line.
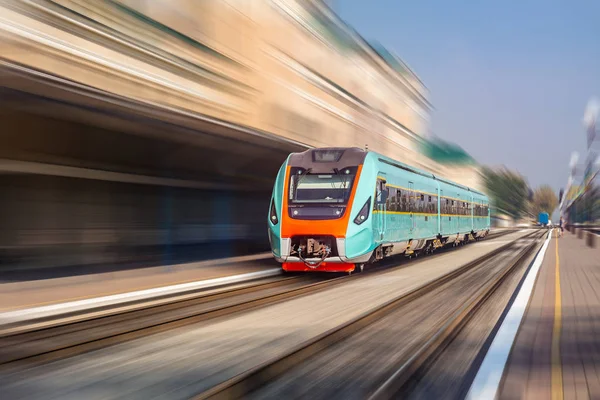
x: 423, y: 197
x: 430, y: 199
x: 392, y: 199
x: 379, y: 189
x: 399, y: 200
x: 413, y: 202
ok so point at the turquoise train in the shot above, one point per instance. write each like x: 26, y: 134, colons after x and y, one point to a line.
x: 339, y: 209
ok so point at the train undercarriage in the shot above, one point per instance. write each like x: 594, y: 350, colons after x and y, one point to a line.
x: 320, y: 252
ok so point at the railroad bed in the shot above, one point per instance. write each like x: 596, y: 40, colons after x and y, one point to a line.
x: 190, y: 360
x: 379, y: 353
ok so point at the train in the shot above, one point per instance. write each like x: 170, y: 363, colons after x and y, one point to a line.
x: 340, y: 209
x: 543, y: 219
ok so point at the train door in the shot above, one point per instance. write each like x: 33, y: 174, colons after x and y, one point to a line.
x: 443, y: 217
x: 381, y: 196
x: 411, y: 207
x: 438, y: 209
x: 458, y: 211
x: 470, y: 205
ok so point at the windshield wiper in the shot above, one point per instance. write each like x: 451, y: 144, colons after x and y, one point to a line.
x: 344, y: 184
x: 302, y: 175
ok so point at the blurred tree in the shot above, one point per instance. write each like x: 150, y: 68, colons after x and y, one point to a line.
x: 593, y: 204
x: 508, y: 191
x: 544, y: 200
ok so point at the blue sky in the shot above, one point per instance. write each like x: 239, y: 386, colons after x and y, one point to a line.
x: 509, y: 80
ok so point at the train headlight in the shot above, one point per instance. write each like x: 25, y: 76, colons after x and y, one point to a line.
x: 363, y: 214
x: 273, y: 213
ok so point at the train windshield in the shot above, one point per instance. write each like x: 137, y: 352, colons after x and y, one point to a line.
x: 307, y: 188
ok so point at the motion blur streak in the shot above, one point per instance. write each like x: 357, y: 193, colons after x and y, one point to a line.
x: 150, y: 132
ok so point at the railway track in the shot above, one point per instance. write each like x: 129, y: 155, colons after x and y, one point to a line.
x: 29, y: 346
x: 346, y: 361
x: 24, y: 346
x: 399, y: 383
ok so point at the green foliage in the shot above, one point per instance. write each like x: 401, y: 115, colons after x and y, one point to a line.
x: 445, y: 153
x: 544, y: 200
x: 508, y: 191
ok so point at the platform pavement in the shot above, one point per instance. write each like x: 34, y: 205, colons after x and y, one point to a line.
x: 200, y: 356
x: 556, y: 354
x: 26, y: 294
x: 42, y: 292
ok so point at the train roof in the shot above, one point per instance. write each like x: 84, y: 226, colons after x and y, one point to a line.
x: 388, y: 160
x: 336, y: 156
x: 329, y: 157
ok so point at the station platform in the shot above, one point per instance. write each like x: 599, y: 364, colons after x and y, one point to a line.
x: 556, y: 352
x: 27, y: 294
x: 30, y: 294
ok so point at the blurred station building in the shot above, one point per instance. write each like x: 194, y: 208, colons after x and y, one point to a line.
x: 151, y: 130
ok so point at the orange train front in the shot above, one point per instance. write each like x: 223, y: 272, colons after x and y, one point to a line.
x: 337, y: 209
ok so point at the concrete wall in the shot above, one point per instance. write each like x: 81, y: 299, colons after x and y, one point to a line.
x: 51, y: 221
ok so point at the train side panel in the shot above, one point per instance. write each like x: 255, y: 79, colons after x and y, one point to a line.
x: 275, y: 208
x: 425, y: 209
x: 481, y: 216
x: 360, y: 238
x: 410, y: 211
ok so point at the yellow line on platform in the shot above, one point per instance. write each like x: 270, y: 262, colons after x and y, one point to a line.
x: 557, y: 380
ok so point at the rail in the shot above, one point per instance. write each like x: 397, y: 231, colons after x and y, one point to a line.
x: 32, y: 344
x: 423, y: 355
x: 251, y: 380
